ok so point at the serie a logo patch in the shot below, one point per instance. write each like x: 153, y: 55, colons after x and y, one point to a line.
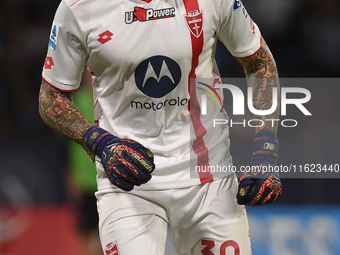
x: 52, y: 42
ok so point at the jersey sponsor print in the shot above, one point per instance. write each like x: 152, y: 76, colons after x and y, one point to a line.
x: 156, y: 77
x: 142, y: 14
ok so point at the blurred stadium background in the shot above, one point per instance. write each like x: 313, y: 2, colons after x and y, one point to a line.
x: 40, y: 191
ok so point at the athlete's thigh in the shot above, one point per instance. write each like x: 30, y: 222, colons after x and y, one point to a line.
x: 130, y: 225
x: 213, y: 223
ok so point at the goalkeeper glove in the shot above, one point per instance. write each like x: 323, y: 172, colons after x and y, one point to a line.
x: 261, y: 184
x: 126, y: 162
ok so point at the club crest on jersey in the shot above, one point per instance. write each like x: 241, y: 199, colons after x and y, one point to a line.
x: 142, y: 14
x: 53, y: 38
x: 194, y: 21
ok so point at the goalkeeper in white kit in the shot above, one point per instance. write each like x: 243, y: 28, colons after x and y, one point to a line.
x: 145, y: 57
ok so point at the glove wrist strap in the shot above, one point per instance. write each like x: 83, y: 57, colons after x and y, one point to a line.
x: 265, y: 148
x: 92, y: 140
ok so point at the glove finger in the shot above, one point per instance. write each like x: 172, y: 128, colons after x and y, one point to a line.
x: 147, y: 153
x: 137, y: 147
x: 143, y: 178
x: 135, y: 154
x: 123, y: 171
x: 139, y: 162
x: 120, y: 183
x: 133, y: 175
x: 272, y: 191
x: 268, y: 190
x: 128, y: 172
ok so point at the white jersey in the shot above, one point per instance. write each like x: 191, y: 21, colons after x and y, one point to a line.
x: 152, y: 65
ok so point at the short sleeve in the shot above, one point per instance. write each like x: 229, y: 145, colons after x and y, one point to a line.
x: 66, y: 54
x: 237, y: 30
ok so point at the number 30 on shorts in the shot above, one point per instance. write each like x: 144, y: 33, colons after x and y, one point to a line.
x: 209, y: 244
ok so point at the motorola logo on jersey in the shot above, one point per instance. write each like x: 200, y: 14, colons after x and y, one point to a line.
x: 157, y: 76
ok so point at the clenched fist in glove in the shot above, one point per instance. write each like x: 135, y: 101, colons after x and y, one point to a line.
x: 261, y: 184
x: 126, y: 162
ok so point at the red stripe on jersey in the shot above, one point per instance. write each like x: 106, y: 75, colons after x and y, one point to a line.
x: 198, y: 145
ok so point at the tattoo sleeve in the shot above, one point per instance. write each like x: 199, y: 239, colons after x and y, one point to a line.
x: 58, y: 110
x: 262, y: 76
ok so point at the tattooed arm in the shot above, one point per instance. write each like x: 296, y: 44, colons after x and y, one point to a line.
x: 58, y: 110
x: 258, y: 187
x: 262, y: 76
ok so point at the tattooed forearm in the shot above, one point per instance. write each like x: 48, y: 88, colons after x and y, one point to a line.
x: 58, y: 110
x: 262, y: 76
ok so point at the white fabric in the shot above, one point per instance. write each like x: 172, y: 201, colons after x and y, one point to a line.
x: 176, y: 42
x: 200, y: 217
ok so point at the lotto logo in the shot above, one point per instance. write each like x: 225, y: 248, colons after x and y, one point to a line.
x: 49, y: 63
x: 105, y: 37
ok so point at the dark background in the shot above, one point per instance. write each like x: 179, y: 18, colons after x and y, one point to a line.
x: 303, y: 35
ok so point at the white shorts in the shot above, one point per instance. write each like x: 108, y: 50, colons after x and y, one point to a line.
x: 203, y: 219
